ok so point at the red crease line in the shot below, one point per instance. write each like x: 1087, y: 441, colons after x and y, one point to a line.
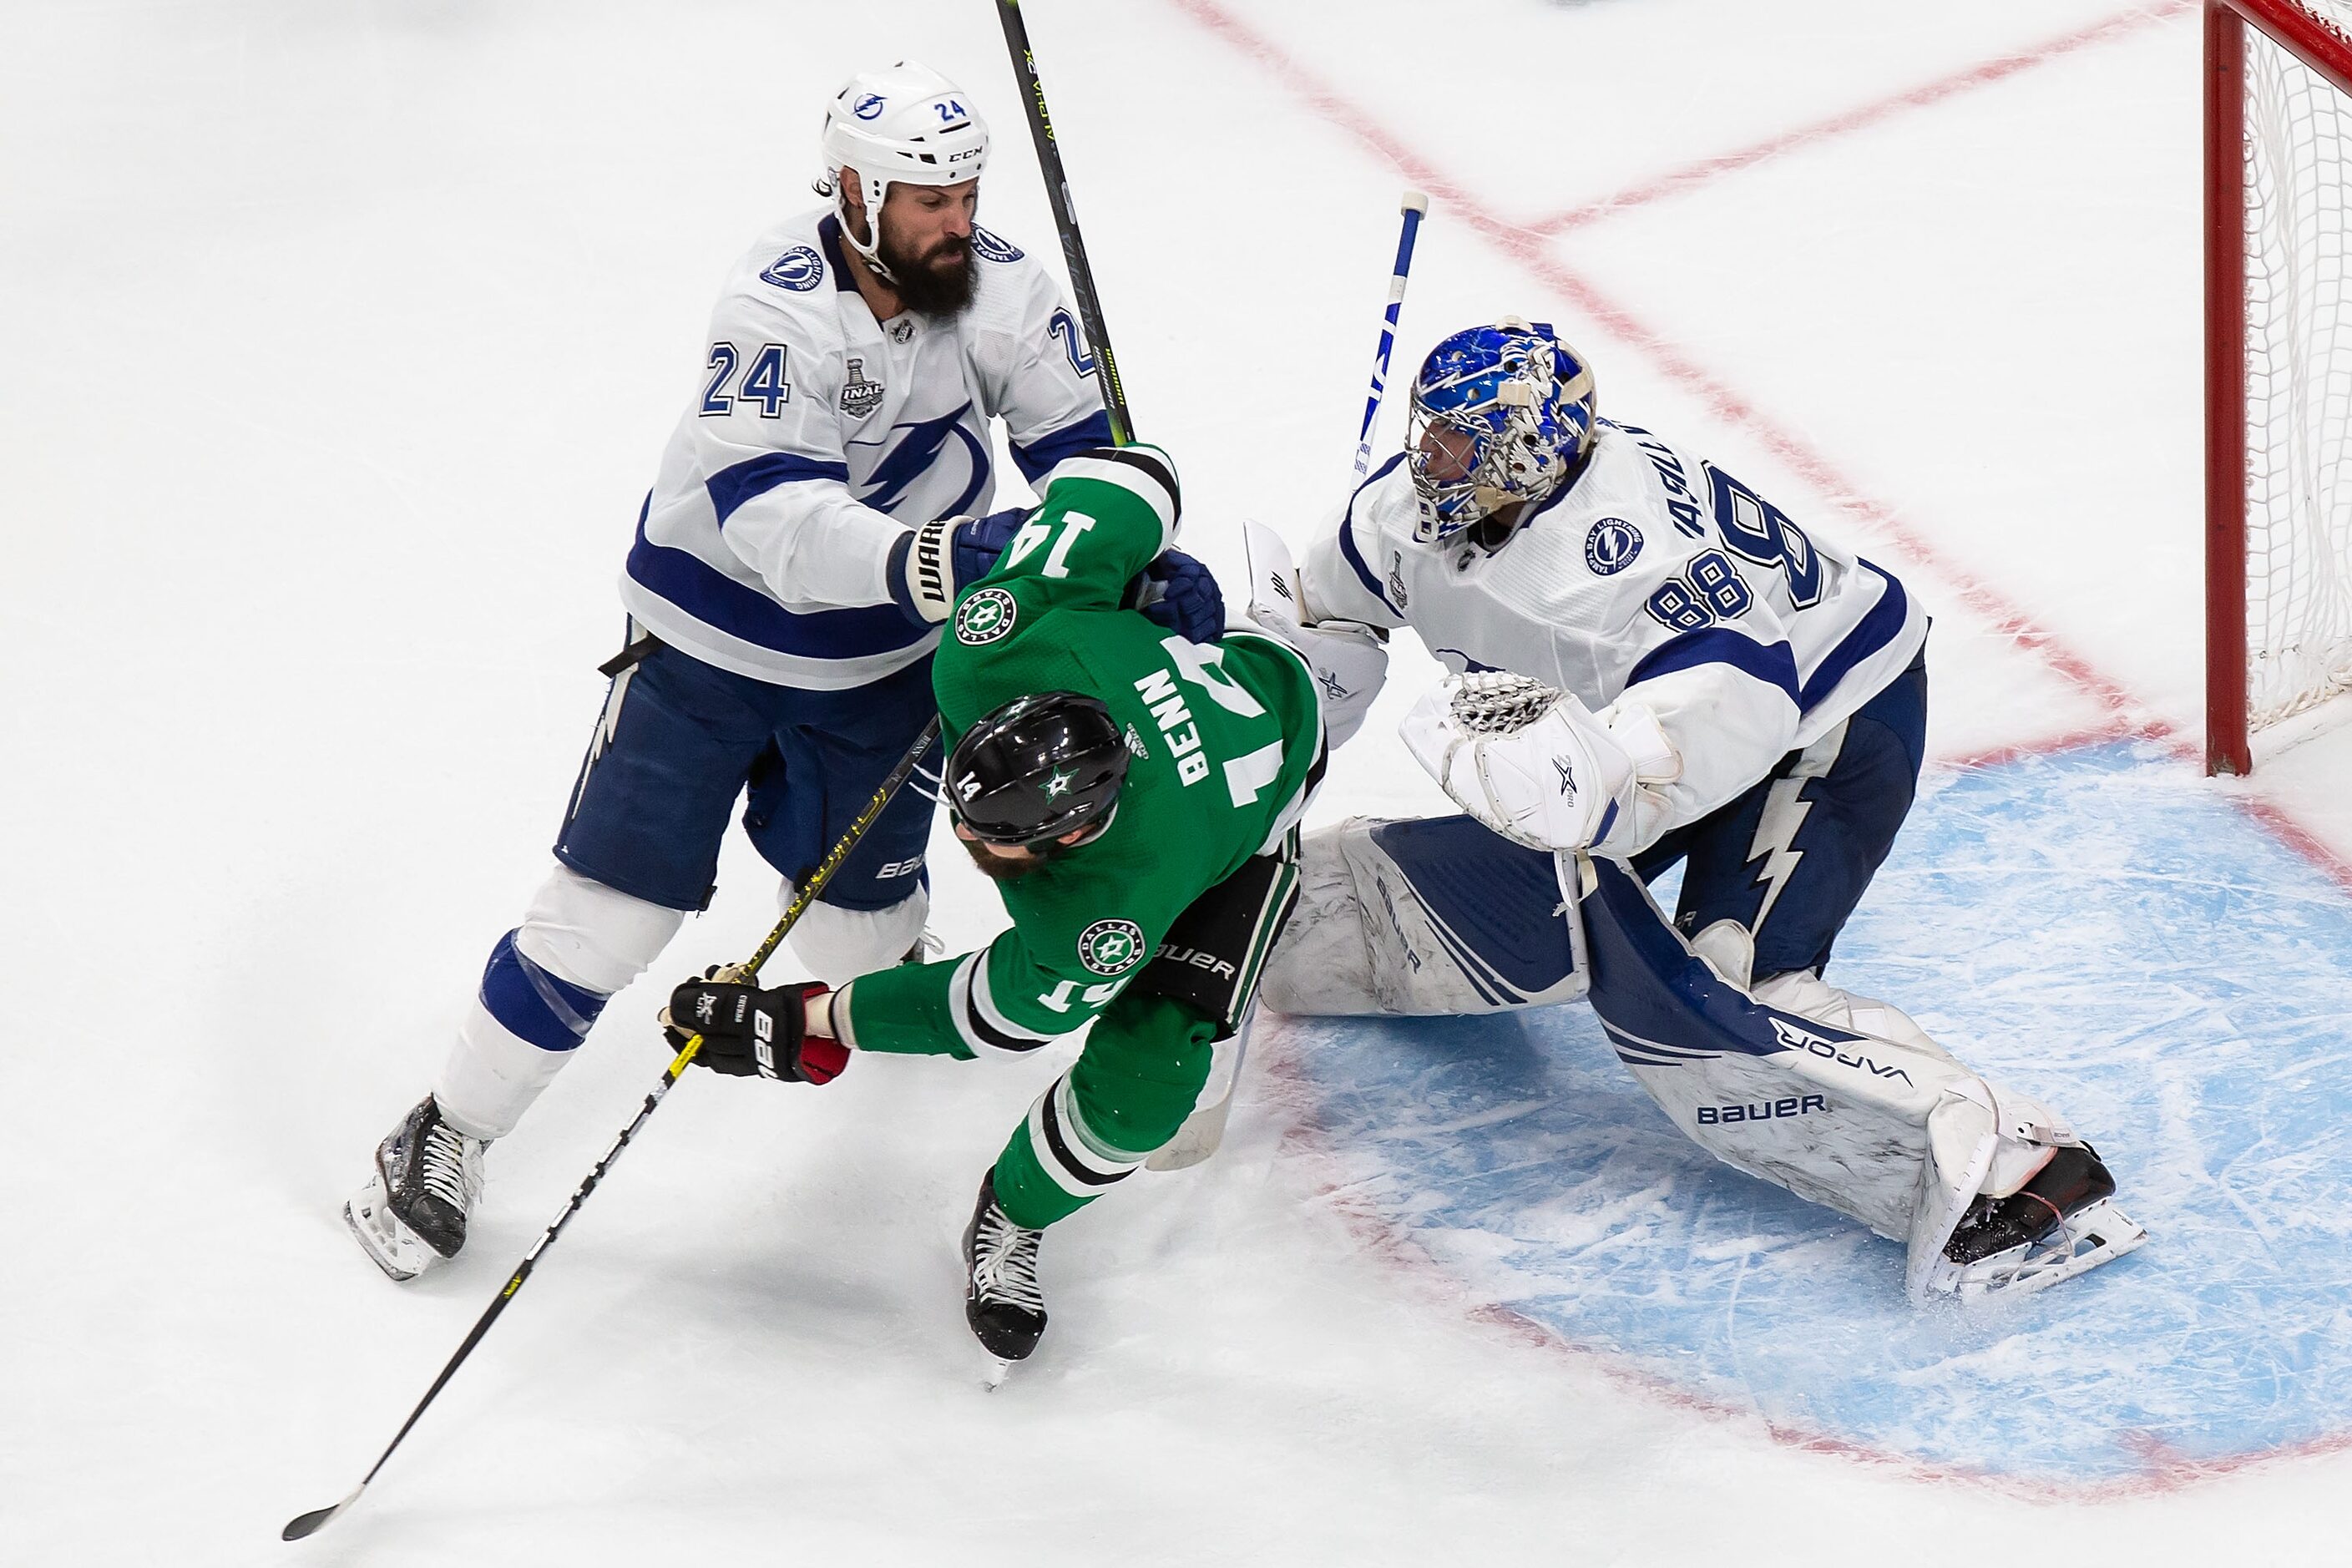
x: 1990, y: 71
x: 1532, y: 251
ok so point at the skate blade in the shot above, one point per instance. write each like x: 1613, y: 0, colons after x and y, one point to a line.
x: 400, y: 1252
x: 998, y: 1369
x: 2096, y: 1234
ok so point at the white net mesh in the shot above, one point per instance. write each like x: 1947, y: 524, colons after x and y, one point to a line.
x: 2298, y: 149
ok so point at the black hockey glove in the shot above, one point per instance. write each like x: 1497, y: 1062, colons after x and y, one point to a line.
x: 931, y: 564
x: 979, y: 541
x: 751, y: 1033
x: 1179, y: 592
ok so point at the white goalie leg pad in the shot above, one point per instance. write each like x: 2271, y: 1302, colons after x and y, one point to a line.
x: 1423, y: 918
x: 584, y: 935
x: 1886, y: 1127
x: 837, y: 945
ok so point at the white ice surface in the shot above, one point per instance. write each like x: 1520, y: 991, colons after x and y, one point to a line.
x: 336, y: 346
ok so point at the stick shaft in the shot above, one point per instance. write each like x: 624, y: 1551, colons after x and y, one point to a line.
x: 1414, y: 206
x: 806, y: 895
x: 1065, y: 221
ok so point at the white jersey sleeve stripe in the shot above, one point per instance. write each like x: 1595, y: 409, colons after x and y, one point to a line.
x: 1881, y: 625
x: 1773, y: 664
x: 730, y: 488
x: 984, y: 1028
x: 744, y: 613
x: 1348, y: 549
x: 1040, y: 457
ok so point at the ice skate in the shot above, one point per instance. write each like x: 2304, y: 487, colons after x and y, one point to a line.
x: 1001, y: 1299
x: 412, y: 1214
x: 2057, y: 1226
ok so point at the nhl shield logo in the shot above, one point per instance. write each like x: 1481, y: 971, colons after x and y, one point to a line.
x: 985, y: 617
x: 1110, y: 947
x: 799, y: 269
x: 859, y: 396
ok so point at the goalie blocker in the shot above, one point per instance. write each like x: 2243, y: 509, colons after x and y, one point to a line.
x: 1839, y: 1099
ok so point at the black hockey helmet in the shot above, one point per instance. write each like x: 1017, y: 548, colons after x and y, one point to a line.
x: 1037, y: 768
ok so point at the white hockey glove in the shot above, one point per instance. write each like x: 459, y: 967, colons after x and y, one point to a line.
x: 1534, y: 764
x: 1349, y: 658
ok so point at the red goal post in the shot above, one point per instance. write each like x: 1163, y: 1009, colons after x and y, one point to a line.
x: 2278, y: 310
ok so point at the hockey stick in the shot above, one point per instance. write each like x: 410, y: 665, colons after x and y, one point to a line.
x: 1204, y: 1130
x: 311, y: 1523
x: 1414, y: 207
x: 1066, y: 222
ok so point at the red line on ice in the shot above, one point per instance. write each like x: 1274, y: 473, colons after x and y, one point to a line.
x: 2128, y: 718
x: 1530, y: 248
x: 1693, y: 174
x: 1293, y: 1094
x: 1532, y: 251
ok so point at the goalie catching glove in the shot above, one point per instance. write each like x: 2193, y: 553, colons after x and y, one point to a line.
x: 1539, y: 767
x: 751, y: 1033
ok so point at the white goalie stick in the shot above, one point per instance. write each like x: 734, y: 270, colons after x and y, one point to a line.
x: 1204, y: 1129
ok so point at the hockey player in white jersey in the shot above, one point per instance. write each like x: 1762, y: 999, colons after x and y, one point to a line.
x: 1654, y: 664
x: 804, y: 540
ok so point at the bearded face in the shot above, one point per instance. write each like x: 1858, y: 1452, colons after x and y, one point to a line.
x: 934, y: 269
x: 999, y: 868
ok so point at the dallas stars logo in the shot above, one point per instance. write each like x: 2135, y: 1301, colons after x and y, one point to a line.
x: 985, y: 617
x: 1059, y: 785
x: 1110, y: 947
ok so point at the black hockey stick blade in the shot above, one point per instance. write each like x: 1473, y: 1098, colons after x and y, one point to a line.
x: 308, y: 1524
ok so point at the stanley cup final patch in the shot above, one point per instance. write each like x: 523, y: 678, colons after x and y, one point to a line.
x: 985, y: 617
x: 1110, y: 947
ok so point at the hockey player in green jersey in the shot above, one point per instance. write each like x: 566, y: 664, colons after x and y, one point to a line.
x: 1133, y: 795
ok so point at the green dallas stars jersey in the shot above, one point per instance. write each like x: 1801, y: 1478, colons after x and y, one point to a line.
x: 1223, y: 735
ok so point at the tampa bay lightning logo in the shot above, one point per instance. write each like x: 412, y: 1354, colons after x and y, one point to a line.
x: 1612, y: 545
x: 799, y: 269
x: 993, y: 247
x: 869, y: 107
x: 922, y: 452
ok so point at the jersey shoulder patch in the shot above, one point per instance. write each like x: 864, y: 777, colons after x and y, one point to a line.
x: 799, y: 269
x: 994, y: 248
x: 985, y: 617
x: 1110, y: 947
x: 1611, y: 546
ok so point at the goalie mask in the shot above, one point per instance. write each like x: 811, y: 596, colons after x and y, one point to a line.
x: 1500, y: 415
x: 1038, y: 768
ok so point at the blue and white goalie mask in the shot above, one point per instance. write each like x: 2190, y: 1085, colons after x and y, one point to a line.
x: 1501, y: 415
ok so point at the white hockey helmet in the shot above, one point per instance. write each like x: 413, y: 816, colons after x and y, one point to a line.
x: 907, y: 123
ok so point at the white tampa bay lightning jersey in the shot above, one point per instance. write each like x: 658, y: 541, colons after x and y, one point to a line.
x: 1655, y: 578
x: 819, y: 437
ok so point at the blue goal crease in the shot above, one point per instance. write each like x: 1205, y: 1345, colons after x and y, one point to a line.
x: 2094, y: 927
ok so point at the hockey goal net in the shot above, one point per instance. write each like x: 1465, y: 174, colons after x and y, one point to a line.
x: 2278, y: 179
